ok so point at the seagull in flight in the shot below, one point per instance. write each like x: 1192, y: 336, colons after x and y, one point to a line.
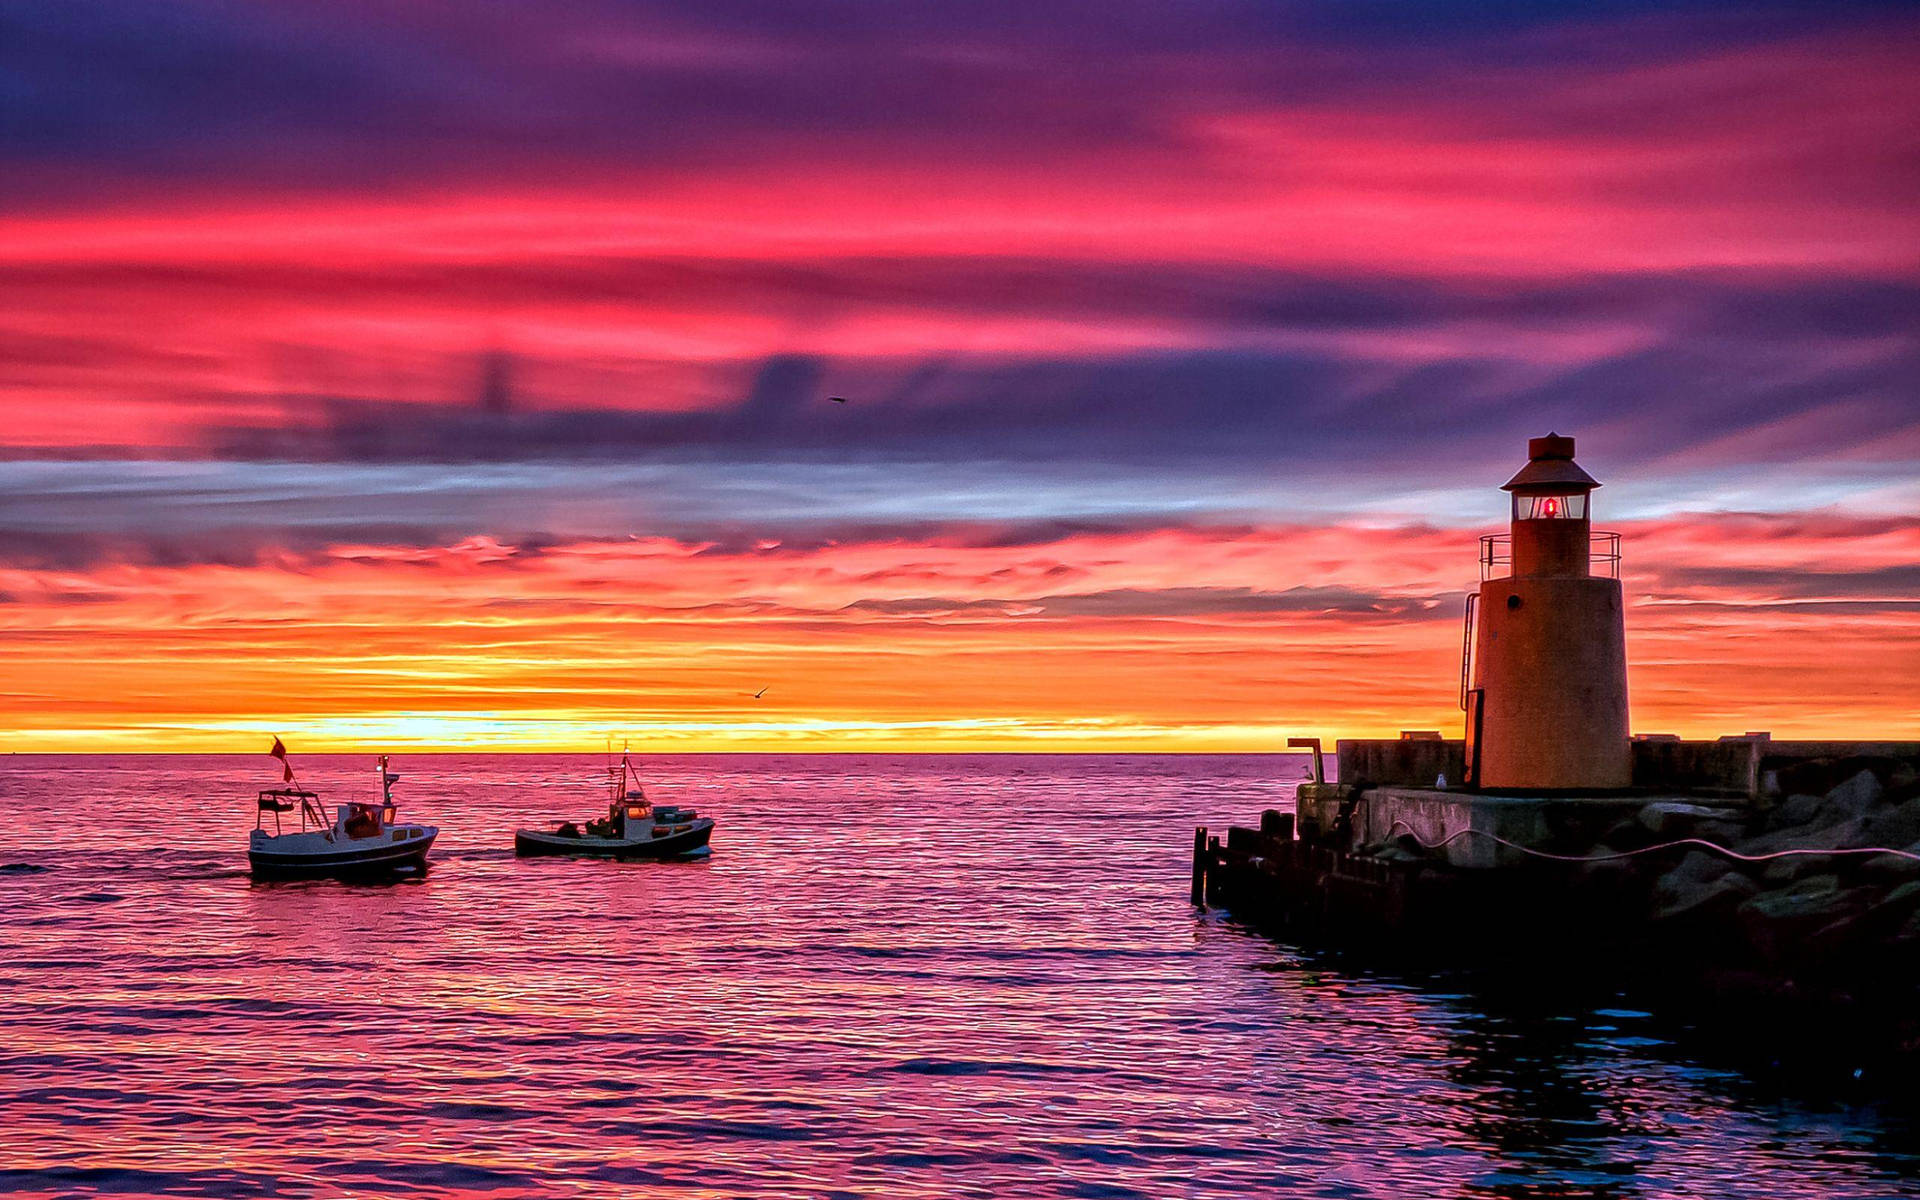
x: 761, y: 692
x: 838, y: 399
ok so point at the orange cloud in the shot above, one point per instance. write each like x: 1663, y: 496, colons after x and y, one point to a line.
x: 1166, y: 640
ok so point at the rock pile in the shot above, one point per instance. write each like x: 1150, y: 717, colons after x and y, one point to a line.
x: 1782, y: 889
x: 1790, y: 924
x: 1787, y: 900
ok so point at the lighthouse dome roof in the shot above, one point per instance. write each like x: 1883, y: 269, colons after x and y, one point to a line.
x: 1550, y: 468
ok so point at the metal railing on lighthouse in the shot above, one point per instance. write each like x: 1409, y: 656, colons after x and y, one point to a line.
x: 1603, y: 555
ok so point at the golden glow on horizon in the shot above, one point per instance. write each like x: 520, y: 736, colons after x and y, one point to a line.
x: 1163, y: 641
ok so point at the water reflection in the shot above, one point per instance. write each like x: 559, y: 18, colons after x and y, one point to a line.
x: 896, y: 977
x: 1554, y: 1089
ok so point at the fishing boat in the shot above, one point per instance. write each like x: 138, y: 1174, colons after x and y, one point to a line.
x: 363, y: 838
x: 634, y: 827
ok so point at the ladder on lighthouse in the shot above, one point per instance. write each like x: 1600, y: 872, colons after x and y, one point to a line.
x: 1472, y: 699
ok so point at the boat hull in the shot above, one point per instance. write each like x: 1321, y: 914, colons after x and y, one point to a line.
x: 536, y: 842
x: 374, y: 859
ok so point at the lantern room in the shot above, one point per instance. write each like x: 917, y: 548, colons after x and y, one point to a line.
x: 1552, y: 498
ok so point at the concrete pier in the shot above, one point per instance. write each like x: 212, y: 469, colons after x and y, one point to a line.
x: 1461, y: 827
x: 1811, y: 914
x: 1464, y: 825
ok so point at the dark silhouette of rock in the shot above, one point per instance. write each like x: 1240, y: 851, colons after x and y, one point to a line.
x: 1781, y: 872
x: 1904, y: 897
x: 1893, y: 825
x: 1794, y: 811
x: 1701, y: 884
x: 1698, y: 867
x: 1668, y: 820
x: 1700, y: 901
x: 1892, y: 869
x: 1876, y: 917
x: 1854, y: 798
x: 1627, y: 834
x: 1780, y: 923
x: 1830, y: 836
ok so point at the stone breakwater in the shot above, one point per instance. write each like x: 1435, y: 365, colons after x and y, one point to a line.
x: 1796, y: 880
x: 1785, y: 902
x: 1795, y: 922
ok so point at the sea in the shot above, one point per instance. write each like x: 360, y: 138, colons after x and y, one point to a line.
x: 896, y: 976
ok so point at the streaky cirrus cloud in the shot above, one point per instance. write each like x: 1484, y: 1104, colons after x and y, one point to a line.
x: 472, y: 365
x: 1508, y: 212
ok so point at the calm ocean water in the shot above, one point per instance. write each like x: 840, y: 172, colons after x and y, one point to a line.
x: 896, y: 976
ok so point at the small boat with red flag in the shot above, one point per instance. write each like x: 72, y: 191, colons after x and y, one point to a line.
x: 362, y: 837
x: 634, y: 827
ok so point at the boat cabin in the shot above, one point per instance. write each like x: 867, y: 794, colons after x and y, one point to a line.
x: 354, y: 820
x: 629, y: 807
x: 628, y: 800
x: 364, y: 820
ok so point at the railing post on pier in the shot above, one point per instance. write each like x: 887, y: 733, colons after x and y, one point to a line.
x: 1200, y: 866
x: 1313, y: 744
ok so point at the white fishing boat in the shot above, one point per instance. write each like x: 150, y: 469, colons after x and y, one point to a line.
x: 634, y: 827
x: 362, y: 838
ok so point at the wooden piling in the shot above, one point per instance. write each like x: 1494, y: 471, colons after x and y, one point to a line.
x: 1277, y: 825
x: 1200, y: 866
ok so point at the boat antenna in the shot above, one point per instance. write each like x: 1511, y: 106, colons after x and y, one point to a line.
x: 626, y: 768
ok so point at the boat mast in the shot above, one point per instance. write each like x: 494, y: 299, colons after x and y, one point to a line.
x: 627, y: 768
x: 616, y: 781
x: 307, y: 809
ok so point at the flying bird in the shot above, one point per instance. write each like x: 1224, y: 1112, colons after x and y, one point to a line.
x: 838, y: 399
x: 761, y: 692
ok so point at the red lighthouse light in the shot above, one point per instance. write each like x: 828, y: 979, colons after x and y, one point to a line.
x: 1557, y: 507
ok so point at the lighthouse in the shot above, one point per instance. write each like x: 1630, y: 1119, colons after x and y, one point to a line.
x: 1544, y: 685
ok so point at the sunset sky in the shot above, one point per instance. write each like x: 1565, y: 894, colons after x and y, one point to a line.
x: 385, y: 374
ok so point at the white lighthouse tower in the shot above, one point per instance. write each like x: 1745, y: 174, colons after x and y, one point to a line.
x: 1546, y: 681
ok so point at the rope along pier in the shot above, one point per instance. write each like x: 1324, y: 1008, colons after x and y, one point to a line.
x: 1617, y: 854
